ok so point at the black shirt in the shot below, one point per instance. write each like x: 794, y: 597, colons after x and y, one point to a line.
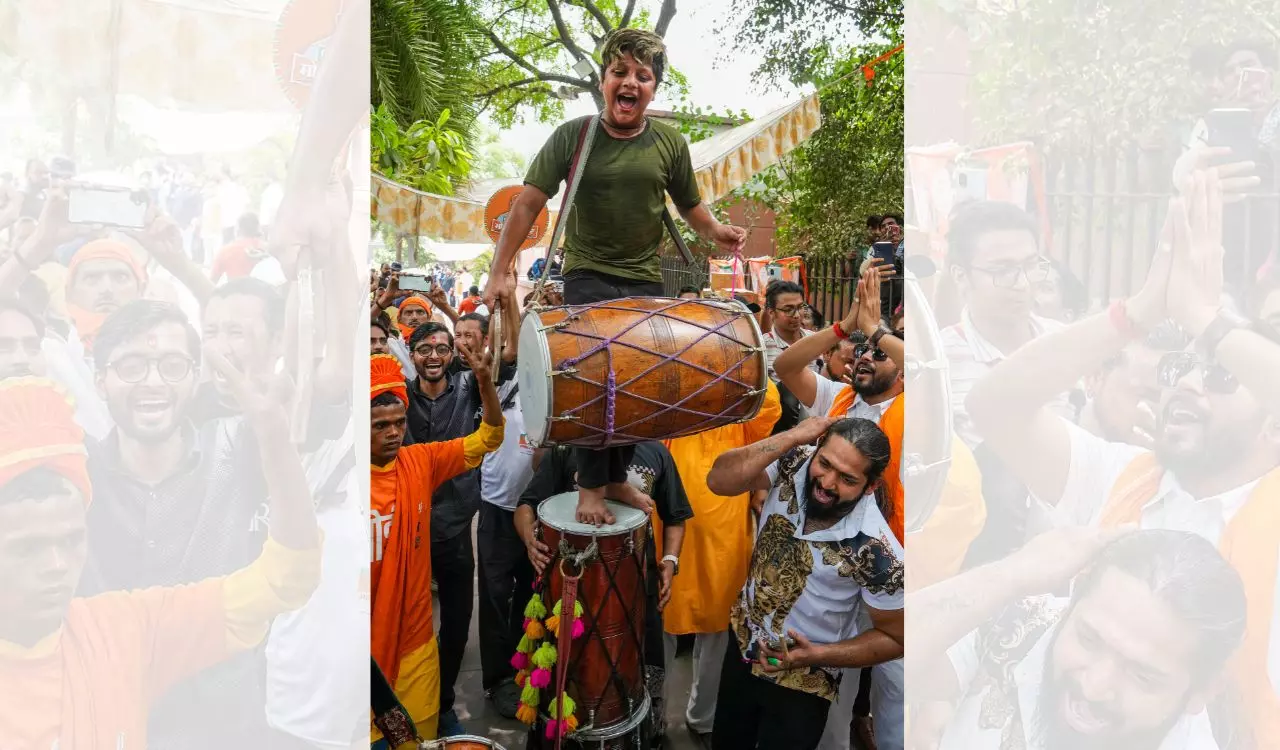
x: 454, y: 414
x: 652, y: 471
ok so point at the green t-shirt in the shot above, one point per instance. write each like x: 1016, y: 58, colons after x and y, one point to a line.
x: 615, y: 225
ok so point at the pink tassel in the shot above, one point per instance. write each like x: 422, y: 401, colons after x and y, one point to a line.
x: 552, y: 727
x: 520, y: 661
x: 578, y: 629
x: 540, y: 678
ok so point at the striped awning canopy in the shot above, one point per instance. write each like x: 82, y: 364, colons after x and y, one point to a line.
x: 721, y: 164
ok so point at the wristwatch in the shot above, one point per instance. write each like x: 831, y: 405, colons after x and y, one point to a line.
x: 1223, y: 323
x: 675, y: 563
x: 880, y: 333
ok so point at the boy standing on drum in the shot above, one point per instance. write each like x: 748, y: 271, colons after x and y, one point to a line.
x: 612, y: 239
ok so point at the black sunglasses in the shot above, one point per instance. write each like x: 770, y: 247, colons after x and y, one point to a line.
x: 1175, y: 366
x: 878, y: 354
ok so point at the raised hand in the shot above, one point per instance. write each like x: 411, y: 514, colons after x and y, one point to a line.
x: 477, y: 360
x: 261, y: 403
x: 811, y: 429
x: 1194, y: 292
x: 1238, y: 178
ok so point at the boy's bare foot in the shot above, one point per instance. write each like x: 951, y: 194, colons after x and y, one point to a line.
x: 627, y: 494
x: 591, y: 507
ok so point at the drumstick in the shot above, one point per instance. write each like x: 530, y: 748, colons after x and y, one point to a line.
x: 495, y: 339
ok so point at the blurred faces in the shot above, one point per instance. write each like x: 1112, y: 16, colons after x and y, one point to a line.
x: 787, y: 311
x: 377, y: 340
x: 1128, y: 395
x: 37, y: 175
x: 414, y: 316
x: 103, y: 286
x: 469, y: 331
x: 431, y: 357
x: 42, y: 553
x: 148, y: 383
x: 806, y: 318
x: 837, y: 480
x: 386, y: 432
x: 1244, y: 80
x: 235, y: 326
x: 690, y: 295
x: 890, y: 230
x: 840, y: 360
x: 20, y: 352
x: 628, y: 87
x: 1120, y: 670
x: 999, y: 283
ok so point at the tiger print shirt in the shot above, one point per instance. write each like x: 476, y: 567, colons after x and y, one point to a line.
x: 814, y: 583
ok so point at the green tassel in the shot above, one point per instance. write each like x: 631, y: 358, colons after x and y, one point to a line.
x: 569, y: 707
x: 530, y: 695
x: 535, y: 609
x: 525, y: 646
x: 545, y: 656
x: 556, y: 609
x: 577, y: 610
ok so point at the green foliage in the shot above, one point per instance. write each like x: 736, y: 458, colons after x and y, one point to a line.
x: 851, y: 168
x: 1106, y: 72
x: 493, y: 159
x: 532, y: 53
x: 429, y: 156
x: 699, y: 123
x: 422, y: 59
x: 796, y: 36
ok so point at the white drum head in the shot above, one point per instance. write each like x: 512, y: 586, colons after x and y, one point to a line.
x: 558, y: 512
x: 533, y: 372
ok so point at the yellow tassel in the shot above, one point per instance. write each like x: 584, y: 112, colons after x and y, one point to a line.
x: 534, y: 630
x: 526, y: 714
x: 553, y: 624
x: 572, y: 723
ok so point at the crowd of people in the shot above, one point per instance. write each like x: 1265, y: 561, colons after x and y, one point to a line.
x: 166, y: 485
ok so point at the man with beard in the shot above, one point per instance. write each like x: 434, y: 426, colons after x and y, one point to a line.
x: 102, y: 276
x: 824, y: 551
x: 446, y: 407
x: 411, y: 313
x: 1131, y: 661
x: 611, y: 243
x: 175, y: 503
x: 1214, y: 468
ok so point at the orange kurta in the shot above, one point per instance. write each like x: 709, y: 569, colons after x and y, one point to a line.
x: 401, y: 631
x: 937, y: 551
x: 1251, y: 544
x: 718, y: 539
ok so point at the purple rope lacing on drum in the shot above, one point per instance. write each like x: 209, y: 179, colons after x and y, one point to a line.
x: 610, y: 387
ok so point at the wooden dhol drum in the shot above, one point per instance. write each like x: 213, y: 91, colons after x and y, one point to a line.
x: 605, y: 674
x: 461, y: 742
x: 638, y: 368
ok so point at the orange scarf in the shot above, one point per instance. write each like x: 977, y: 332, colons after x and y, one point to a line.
x: 891, y: 423
x: 1251, y: 543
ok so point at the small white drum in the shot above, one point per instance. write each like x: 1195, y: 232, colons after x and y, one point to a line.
x: 606, y: 667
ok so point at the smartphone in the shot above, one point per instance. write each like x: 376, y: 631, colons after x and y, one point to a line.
x: 773, y: 272
x: 1234, y: 129
x: 107, y: 206
x: 884, y: 251
x: 412, y: 282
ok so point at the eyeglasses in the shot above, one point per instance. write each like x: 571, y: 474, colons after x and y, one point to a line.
x: 134, y: 368
x: 441, y: 350
x: 1006, y: 277
x: 1175, y: 366
x: 877, y: 354
x: 791, y: 309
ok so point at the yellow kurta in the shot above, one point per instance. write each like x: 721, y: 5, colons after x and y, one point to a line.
x: 936, y: 552
x: 718, y: 539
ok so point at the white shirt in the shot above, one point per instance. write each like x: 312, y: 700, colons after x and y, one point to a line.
x: 317, y: 681
x: 970, y: 356
x: 233, y: 202
x: 829, y: 390
x: 969, y: 730
x: 65, y: 364
x: 774, y: 345
x: 828, y: 606
x: 506, y: 472
x: 400, y: 350
x: 270, y: 203
x: 1097, y: 464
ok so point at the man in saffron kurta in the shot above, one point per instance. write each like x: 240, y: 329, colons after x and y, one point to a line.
x: 401, y: 482
x: 714, y: 557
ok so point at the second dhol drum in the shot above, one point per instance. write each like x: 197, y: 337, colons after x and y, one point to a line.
x: 605, y: 670
x: 628, y: 370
